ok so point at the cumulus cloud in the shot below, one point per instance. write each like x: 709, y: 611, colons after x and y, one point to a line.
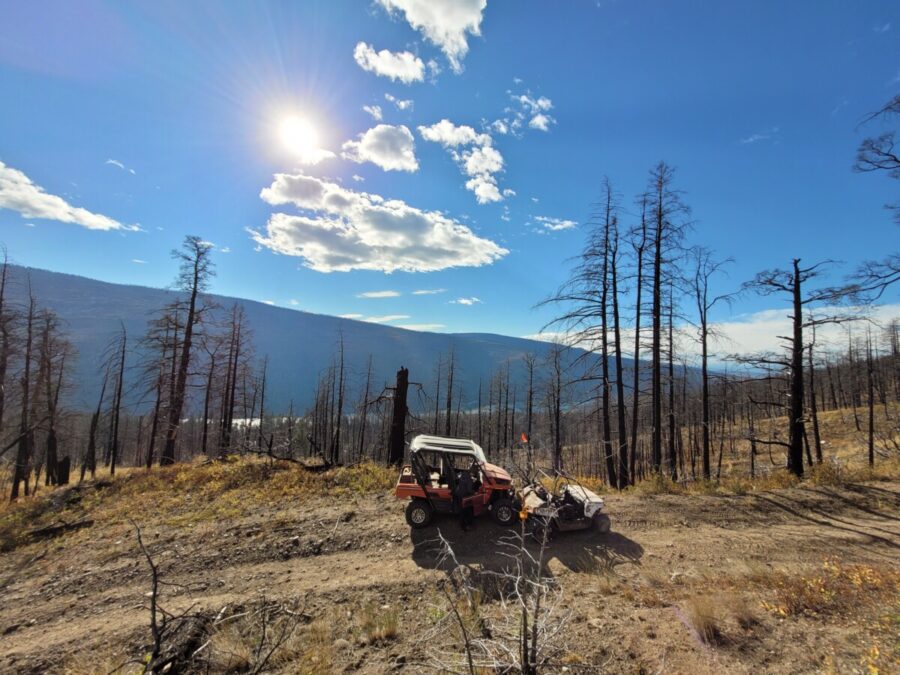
x: 342, y: 230
x: 400, y: 104
x: 374, y: 111
x: 555, y: 224
x: 358, y: 178
x: 19, y: 194
x: 525, y: 109
x: 429, y: 291
x: 474, y: 153
x: 405, y: 67
x: 115, y: 162
x: 540, y: 121
x: 392, y: 148
x: 465, y: 301
x: 451, y: 135
x: 444, y: 23
x: 379, y: 294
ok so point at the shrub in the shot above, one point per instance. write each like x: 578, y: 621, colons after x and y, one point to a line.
x: 835, y: 589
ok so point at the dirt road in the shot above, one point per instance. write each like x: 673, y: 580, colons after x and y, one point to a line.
x: 85, y: 590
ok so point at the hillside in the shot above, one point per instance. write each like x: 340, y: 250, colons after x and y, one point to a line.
x: 300, y: 345
x: 283, y: 571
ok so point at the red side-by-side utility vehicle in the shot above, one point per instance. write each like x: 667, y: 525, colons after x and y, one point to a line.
x: 429, y: 481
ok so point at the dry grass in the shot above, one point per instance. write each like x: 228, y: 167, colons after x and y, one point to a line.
x: 188, y: 494
x: 703, y: 616
x: 740, y: 610
x: 377, y: 624
x: 100, y: 661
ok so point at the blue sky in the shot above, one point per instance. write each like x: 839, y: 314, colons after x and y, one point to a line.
x: 170, y: 118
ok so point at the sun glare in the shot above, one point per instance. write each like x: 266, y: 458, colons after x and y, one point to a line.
x: 299, y: 136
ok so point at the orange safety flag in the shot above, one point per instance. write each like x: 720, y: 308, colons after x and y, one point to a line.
x: 524, y: 437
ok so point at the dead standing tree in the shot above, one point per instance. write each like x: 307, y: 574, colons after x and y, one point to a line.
x: 705, y: 268
x: 194, y: 275
x: 399, y: 411
x: 792, y: 283
x: 667, y: 227
x: 26, y: 430
x: 880, y: 154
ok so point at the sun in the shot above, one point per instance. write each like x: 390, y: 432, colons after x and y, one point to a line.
x: 299, y: 136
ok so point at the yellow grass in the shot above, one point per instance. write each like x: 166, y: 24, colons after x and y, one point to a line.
x: 188, y: 494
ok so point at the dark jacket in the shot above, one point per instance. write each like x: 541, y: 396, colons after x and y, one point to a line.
x: 464, y: 487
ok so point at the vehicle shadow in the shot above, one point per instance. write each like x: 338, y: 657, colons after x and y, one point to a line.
x: 492, y: 547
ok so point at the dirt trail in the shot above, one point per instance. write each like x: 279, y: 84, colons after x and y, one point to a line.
x: 73, y: 593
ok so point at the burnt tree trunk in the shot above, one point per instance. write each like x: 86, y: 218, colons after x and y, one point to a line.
x: 397, y: 439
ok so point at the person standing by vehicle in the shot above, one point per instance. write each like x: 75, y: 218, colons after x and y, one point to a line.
x: 464, y: 489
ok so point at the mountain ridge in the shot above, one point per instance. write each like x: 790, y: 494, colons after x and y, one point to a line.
x: 299, y: 344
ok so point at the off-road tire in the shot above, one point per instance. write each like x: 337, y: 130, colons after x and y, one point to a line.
x: 601, y: 523
x: 504, y: 512
x: 419, y: 514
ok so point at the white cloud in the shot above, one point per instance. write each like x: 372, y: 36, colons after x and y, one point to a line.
x: 540, y: 121
x: 430, y: 291
x: 443, y: 22
x: 525, y: 109
x: 138, y: 261
x: 403, y: 66
x: 509, y: 192
x: 19, y: 194
x: 350, y: 316
x: 451, y: 135
x: 392, y: 148
x: 555, y: 224
x: 387, y: 318
x: 29, y: 224
x: 374, y: 111
x: 534, y: 105
x: 348, y: 230
x: 757, y: 332
x: 225, y: 249
x: 379, y: 294
x: 268, y: 302
x: 358, y: 178
x: 294, y: 303
x: 400, y: 104
x: 553, y: 337
x: 421, y: 326
x: 500, y: 126
x: 480, y: 161
x: 115, y: 162
x: 465, y: 301
x: 760, y: 136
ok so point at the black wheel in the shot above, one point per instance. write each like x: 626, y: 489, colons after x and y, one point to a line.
x: 419, y: 514
x: 504, y: 512
x: 601, y: 523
